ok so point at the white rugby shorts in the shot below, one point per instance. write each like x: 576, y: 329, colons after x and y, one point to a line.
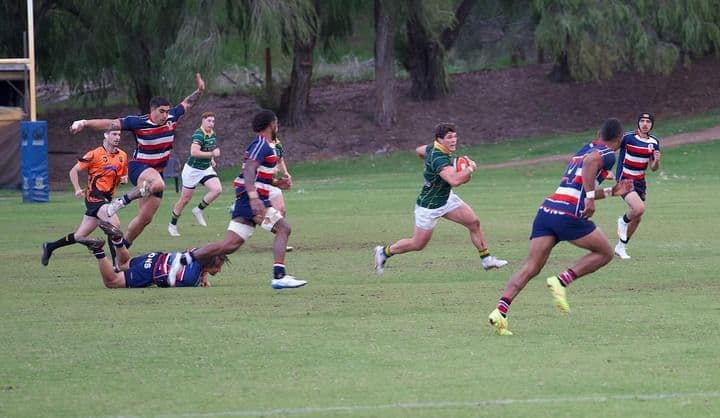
x: 192, y: 176
x: 427, y: 218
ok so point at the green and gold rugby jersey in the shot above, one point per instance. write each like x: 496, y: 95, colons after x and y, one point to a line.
x: 208, y: 142
x: 435, y: 191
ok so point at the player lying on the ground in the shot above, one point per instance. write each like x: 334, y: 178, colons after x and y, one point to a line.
x: 146, y: 269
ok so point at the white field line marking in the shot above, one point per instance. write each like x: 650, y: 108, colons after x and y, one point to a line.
x: 437, y: 405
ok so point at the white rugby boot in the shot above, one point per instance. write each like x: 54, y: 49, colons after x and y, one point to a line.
x: 621, y: 251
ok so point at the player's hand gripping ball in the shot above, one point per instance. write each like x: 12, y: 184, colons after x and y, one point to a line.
x: 460, y: 163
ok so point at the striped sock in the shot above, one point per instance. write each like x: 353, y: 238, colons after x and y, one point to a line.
x: 278, y: 270
x: 100, y: 254
x: 386, y: 251
x: 174, y: 218
x: 567, y: 277
x: 626, y: 219
x: 203, y: 204
x: 484, y: 253
x: 503, y: 305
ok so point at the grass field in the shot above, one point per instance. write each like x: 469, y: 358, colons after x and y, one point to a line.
x: 641, y: 340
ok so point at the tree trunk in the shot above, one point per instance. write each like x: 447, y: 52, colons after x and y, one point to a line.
x: 143, y: 94
x: 268, y: 74
x: 426, y: 55
x: 425, y: 60
x: 385, y: 105
x: 295, y: 100
x: 561, y: 70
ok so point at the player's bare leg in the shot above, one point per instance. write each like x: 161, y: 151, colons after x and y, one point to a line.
x: 147, y: 206
x: 636, y: 209
x: 465, y: 215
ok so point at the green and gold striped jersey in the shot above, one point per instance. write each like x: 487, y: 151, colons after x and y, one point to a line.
x: 208, y: 142
x: 435, y: 191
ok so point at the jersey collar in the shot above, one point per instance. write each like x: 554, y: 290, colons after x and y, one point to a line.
x: 440, y: 147
x: 206, y: 133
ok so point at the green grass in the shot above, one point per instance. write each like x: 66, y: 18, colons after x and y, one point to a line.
x: 641, y: 340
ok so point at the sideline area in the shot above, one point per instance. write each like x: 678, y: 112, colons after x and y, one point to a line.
x: 707, y: 135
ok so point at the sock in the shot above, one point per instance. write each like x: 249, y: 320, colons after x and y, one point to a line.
x: 278, y: 270
x: 68, y: 239
x: 203, y: 204
x: 100, y: 254
x: 484, y: 253
x: 174, y: 218
x: 386, y: 251
x: 503, y: 305
x: 626, y: 219
x: 126, y: 199
x: 567, y: 277
x: 127, y: 243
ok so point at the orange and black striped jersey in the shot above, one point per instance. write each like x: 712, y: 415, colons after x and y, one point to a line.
x: 105, y: 170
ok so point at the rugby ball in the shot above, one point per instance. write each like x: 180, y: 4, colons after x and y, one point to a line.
x: 460, y: 163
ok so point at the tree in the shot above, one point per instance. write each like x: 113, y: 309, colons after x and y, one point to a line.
x: 297, y: 26
x: 119, y: 42
x: 385, y: 107
x: 334, y: 21
x: 424, y: 56
x: 592, y: 39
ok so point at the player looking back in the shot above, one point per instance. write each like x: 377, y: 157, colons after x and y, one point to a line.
x: 638, y: 151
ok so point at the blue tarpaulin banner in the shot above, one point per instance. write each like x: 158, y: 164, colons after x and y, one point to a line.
x: 34, y: 161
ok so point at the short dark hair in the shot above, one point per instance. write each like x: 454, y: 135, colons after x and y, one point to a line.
x: 263, y: 119
x: 215, y: 261
x: 442, y: 129
x: 610, y: 130
x: 158, y: 101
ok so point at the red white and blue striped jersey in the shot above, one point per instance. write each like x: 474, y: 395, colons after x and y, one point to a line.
x: 154, y: 142
x: 636, y: 153
x: 261, y: 151
x: 152, y: 268
x: 569, y: 198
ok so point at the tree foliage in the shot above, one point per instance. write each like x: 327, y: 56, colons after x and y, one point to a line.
x: 592, y: 39
x: 431, y: 30
x: 154, y: 48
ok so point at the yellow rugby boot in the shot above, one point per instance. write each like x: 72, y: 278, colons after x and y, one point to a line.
x: 558, y: 292
x: 499, y: 322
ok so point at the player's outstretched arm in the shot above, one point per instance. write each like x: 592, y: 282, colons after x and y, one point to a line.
x: 195, y: 96
x: 97, y: 124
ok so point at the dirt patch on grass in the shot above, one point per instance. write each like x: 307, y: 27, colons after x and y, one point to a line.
x: 488, y: 106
